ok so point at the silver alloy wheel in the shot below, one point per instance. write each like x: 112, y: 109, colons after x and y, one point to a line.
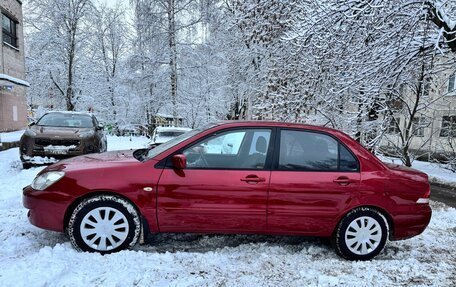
x: 363, y: 235
x: 104, y: 228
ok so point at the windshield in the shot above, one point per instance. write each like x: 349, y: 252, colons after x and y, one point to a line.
x: 66, y: 120
x: 177, y: 140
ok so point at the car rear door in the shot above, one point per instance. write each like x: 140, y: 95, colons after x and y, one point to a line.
x: 313, y: 179
x: 224, y: 187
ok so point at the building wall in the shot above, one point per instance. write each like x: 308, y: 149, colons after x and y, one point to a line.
x: 13, y: 104
x: 439, y: 103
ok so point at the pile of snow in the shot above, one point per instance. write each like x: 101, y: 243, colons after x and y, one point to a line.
x: 39, y: 159
x: 436, y: 172
x: 11, y: 136
x: 34, y: 257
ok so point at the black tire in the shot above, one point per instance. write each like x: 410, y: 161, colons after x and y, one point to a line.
x: 366, y: 242
x: 26, y: 165
x: 108, y: 208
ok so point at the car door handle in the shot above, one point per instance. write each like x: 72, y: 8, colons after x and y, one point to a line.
x: 343, y: 180
x: 253, y: 178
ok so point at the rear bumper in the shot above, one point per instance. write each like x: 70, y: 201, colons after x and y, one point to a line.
x: 413, y: 223
x: 46, y: 208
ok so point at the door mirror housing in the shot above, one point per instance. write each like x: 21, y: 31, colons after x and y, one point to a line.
x: 100, y: 127
x: 179, y: 161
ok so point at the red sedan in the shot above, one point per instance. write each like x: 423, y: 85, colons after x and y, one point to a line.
x: 234, y: 177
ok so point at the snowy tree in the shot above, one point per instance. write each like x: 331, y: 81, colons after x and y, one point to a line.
x: 355, y: 66
x: 356, y: 55
x: 159, y: 25
x: 255, y: 29
x: 109, y: 47
x: 55, y: 43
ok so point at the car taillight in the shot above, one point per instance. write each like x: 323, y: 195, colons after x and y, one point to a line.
x: 425, y: 198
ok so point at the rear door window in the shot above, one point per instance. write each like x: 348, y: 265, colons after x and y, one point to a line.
x: 311, y: 151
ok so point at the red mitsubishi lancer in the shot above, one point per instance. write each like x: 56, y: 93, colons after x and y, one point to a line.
x: 234, y: 177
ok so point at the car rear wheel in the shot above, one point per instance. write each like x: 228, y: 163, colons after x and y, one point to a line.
x: 361, y: 234
x: 104, y: 224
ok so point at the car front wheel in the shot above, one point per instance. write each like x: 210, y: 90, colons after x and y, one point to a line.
x: 361, y: 234
x: 104, y: 224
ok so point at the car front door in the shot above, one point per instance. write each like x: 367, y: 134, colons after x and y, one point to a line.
x: 222, y: 189
x: 314, y: 178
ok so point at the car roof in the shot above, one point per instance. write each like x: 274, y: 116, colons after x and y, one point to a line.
x: 70, y: 112
x: 274, y: 124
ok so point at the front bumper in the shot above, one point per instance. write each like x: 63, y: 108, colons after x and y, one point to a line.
x: 46, y: 208
x: 39, y: 150
x: 44, y: 159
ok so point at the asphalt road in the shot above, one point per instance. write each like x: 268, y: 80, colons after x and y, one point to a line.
x: 443, y: 194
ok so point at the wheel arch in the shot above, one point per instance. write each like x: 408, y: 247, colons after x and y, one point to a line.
x: 78, y: 200
x: 382, y: 211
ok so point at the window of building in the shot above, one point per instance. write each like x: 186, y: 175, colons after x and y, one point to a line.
x: 448, y: 126
x: 426, y: 87
x: 418, y: 125
x: 393, y: 127
x: 9, y: 31
x: 452, y: 83
x: 395, y: 104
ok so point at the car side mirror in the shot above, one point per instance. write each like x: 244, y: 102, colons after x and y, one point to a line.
x: 100, y: 127
x: 179, y: 161
x: 31, y: 124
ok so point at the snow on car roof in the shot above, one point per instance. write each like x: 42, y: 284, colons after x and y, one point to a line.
x: 69, y: 112
x: 169, y: 129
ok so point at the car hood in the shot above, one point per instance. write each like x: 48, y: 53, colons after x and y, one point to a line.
x: 96, y: 161
x: 58, y: 132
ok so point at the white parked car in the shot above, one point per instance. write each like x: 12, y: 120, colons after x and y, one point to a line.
x: 164, y: 134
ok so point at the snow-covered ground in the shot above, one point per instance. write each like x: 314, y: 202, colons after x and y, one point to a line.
x: 11, y: 136
x: 436, y: 172
x: 34, y: 257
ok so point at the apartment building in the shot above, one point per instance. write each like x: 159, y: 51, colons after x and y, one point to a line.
x: 13, y: 104
x: 433, y: 130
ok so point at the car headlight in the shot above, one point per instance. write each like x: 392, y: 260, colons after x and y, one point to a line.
x: 45, y: 180
x: 86, y: 134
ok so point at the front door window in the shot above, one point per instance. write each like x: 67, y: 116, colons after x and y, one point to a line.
x: 237, y: 149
